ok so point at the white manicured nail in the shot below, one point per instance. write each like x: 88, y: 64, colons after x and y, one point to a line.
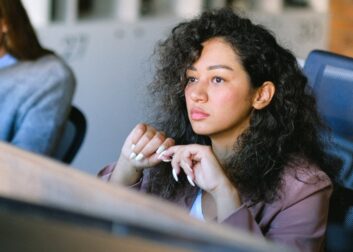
x: 139, y: 157
x: 175, y: 175
x: 133, y: 146
x: 160, y: 156
x: 186, y: 165
x: 160, y: 149
x: 132, y: 155
x: 164, y: 159
x: 190, y: 181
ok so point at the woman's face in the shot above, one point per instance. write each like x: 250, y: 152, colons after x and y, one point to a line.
x: 218, y: 92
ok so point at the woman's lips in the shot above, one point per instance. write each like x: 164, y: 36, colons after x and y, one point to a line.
x: 198, y: 114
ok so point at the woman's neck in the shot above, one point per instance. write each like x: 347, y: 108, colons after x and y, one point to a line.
x: 222, y: 150
x: 223, y: 144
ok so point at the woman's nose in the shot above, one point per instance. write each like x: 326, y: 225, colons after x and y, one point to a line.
x: 198, y: 92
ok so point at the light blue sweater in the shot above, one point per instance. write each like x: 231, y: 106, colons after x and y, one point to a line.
x: 35, y: 99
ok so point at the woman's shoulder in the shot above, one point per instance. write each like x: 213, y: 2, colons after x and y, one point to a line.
x: 54, y: 71
x: 48, y: 74
x: 49, y: 63
x: 302, y: 178
x: 54, y: 63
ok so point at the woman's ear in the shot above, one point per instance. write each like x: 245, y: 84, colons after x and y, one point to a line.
x: 264, y: 95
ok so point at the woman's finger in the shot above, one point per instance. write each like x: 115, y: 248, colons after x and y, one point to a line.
x: 138, y: 146
x: 136, y: 134
x: 175, y: 167
x: 133, y: 137
x: 188, y: 171
x: 152, y: 145
x: 162, y: 150
x: 168, y: 142
x: 186, y: 164
x: 167, y: 154
x: 180, y: 161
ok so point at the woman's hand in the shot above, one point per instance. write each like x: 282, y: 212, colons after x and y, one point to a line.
x: 201, y: 166
x: 140, y: 150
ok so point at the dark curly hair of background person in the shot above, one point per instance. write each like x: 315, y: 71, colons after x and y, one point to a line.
x: 288, y: 130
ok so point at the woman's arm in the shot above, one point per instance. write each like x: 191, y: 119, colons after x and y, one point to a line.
x: 42, y: 115
x: 298, y: 218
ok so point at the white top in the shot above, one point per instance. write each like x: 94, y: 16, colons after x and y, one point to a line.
x: 196, y: 209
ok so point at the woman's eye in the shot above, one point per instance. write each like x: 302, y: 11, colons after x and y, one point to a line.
x: 191, y: 80
x: 217, y: 80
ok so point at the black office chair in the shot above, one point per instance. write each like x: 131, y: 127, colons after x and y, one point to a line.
x: 331, y: 78
x: 339, y: 234
x: 72, y: 137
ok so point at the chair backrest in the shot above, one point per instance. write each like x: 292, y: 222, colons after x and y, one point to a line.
x: 331, y: 78
x: 72, y: 137
x: 340, y: 223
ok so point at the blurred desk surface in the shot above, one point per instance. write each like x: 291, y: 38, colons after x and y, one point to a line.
x: 49, y: 206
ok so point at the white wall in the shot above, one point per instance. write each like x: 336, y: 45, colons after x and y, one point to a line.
x: 301, y: 31
x: 38, y: 10
x: 112, y: 66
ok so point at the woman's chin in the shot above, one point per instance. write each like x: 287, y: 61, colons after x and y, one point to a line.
x: 202, y: 131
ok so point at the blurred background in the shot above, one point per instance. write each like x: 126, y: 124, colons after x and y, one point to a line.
x: 109, y: 44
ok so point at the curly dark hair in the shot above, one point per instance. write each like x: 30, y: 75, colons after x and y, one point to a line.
x: 288, y: 128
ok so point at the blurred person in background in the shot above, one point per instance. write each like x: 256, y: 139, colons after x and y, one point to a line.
x: 36, y: 86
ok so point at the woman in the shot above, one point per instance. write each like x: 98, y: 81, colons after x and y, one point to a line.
x: 243, y: 133
x: 36, y: 86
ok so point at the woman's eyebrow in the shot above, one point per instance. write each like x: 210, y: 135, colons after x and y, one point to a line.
x: 220, y: 66
x: 192, y: 68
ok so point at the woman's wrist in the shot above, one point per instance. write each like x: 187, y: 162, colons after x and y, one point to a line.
x: 227, y: 199
x: 124, y: 173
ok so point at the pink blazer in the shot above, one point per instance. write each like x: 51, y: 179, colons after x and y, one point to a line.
x: 297, y: 218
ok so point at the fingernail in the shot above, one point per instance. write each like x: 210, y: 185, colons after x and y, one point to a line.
x: 187, y: 166
x: 175, y: 175
x: 160, y: 149
x: 133, y: 146
x: 190, y: 181
x: 160, y: 156
x: 139, y: 157
x: 132, y: 155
